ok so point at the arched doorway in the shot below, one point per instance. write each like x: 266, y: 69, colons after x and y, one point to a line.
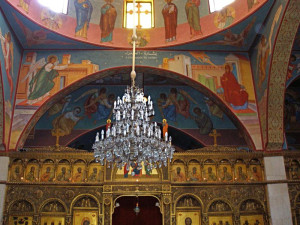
x: 149, y: 213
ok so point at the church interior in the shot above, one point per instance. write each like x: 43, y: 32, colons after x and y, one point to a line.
x: 224, y: 83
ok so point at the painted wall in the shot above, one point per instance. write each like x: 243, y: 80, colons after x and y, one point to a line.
x: 10, y: 57
x: 261, y: 57
x: 234, y: 87
x: 87, y: 28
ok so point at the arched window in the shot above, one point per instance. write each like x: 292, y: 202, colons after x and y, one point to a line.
x: 144, y: 17
x: 58, y: 6
x: 216, y: 5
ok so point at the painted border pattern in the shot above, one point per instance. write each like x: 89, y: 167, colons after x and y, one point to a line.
x: 281, y: 55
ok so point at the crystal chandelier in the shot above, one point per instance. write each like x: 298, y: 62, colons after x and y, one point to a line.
x: 133, y: 138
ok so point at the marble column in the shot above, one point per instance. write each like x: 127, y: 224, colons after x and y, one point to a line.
x: 277, y: 193
x: 4, y: 163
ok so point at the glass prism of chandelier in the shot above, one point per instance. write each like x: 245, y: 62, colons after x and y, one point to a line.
x: 133, y: 138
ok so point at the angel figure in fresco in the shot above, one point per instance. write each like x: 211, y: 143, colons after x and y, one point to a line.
x: 60, y: 106
x: 42, y: 82
x: 181, y: 101
x: 166, y: 107
x: 234, y: 39
x: 8, y: 54
x: 24, y: 4
x: 262, y: 59
x: 84, y: 11
x: 234, y: 93
x: 170, y: 12
x: 193, y: 17
x: 37, y: 37
x: 64, y: 123
x: 107, y: 21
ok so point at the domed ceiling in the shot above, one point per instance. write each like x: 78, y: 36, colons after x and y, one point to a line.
x: 233, y: 28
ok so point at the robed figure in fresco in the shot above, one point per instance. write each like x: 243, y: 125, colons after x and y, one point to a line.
x: 193, y: 16
x: 84, y: 11
x: 170, y: 18
x: 64, y: 124
x: 107, y: 21
x: 8, y: 54
x: 234, y: 94
x: 42, y: 83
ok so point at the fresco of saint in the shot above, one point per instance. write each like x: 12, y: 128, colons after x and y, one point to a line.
x: 8, y: 54
x: 64, y: 124
x: 170, y: 18
x: 84, y: 11
x: 203, y: 121
x: 193, y: 17
x: 262, y: 59
x: 107, y: 21
x: 234, y: 94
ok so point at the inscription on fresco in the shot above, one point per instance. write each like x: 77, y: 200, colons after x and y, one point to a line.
x: 142, y: 55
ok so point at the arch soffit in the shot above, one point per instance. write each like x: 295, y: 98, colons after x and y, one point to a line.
x: 278, y: 71
x: 126, y: 69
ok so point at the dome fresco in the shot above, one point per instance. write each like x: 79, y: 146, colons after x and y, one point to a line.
x: 239, y: 35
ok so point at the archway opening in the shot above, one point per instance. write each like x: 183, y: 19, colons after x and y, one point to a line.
x: 149, y: 211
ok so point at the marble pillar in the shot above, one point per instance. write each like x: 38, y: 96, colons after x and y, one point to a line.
x: 4, y: 163
x: 277, y: 193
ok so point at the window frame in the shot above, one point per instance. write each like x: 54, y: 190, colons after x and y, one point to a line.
x: 138, y: 1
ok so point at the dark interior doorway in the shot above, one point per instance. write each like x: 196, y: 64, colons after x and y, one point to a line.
x: 149, y: 213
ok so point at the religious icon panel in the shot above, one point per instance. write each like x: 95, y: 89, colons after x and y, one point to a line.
x: 134, y: 172
x: 95, y: 173
x: 82, y: 217
x: 194, y: 172
x: 178, y: 173
x: 78, y: 172
x: 188, y: 217
x: 220, y: 220
x: 52, y: 220
x: 47, y: 172
x: 63, y: 173
x: 209, y: 173
x: 31, y: 173
x: 252, y: 220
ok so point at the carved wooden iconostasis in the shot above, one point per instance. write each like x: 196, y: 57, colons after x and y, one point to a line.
x: 219, y: 186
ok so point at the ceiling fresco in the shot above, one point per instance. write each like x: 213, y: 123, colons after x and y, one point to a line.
x: 215, y: 73
x: 33, y: 36
x: 189, y: 114
x: 234, y: 28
